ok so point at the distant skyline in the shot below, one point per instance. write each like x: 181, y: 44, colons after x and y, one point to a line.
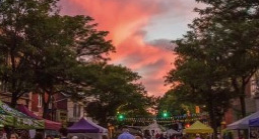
x: 141, y: 31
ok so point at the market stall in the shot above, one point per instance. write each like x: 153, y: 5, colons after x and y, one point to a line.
x: 153, y: 129
x: 254, y: 128
x: 51, y: 125
x: 85, y: 129
x: 171, y: 132
x: 243, y: 123
x: 198, y: 129
x: 18, y: 120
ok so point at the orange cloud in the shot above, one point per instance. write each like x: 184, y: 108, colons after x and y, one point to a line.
x: 125, y: 19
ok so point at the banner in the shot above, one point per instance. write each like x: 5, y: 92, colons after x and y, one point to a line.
x: 27, y: 123
x: 6, y: 120
x: 12, y: 117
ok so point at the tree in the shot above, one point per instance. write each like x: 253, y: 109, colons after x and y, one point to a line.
x: 66, y: 45
x: 174, y: 104
x: 201, y: 83
x: 42, y: 50
x: 234, y: 25
x: 218, y: 56
x: 116, y: 89
x: 16, y: 72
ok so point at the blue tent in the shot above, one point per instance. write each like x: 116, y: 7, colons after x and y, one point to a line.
x: 254, y: 122
x: 243, y: 123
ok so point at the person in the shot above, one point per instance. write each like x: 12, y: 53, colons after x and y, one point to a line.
x: 104, y: 137
x: 74, y: 137
x: 4, y: 136
x: 63, y: 133
x: 125, y: 134
x: 198, y: 136
x: 14, y: 136
x: 49, y: 137
x: 38, y: 136
x: 24, y: 135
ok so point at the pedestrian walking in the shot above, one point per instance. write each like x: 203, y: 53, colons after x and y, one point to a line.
x: 125, y: 134
x: 198, y: 136
x: 38, y: 136
x: 63, y: 133
x: 14, y: 136
x: 49, y: 137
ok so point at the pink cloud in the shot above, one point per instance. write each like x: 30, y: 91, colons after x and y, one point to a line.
x: 125, y: 20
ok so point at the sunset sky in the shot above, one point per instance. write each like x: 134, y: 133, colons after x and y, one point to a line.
x: 141, y: 31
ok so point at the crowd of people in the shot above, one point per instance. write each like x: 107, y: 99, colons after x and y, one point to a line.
x: 127, y: 135
x: 24, y: 134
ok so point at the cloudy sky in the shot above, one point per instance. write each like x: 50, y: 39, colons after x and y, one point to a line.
x: 141, y: 31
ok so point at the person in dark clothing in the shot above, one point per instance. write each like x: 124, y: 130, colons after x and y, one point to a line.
x: 38, y: 136
x: 63, y: 133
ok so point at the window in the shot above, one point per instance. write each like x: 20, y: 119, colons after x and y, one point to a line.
x: 40, y: 100
x: 79, y: 111
x: 75, y: 110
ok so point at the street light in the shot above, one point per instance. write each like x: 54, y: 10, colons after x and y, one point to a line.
x: 165, y: 114
x: 121, y: 117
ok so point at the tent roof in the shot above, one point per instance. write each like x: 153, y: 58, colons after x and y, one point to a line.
x: 198, y: 127
x: 254, y: 122
x: 86, y: 126
x: 26, y: 111
x: 154, y: 126
x: 48, y: 124
x: 244, y: 122
x: 171, y: 131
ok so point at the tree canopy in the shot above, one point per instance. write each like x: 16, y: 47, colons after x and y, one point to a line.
x: 218, y: 56
x: 41, y: 49
x: 117, y: 89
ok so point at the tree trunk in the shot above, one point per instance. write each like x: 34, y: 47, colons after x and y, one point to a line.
x: 14, y: 99
x: 243, y: 105
x: 213, y: 121
x: 241, y: 91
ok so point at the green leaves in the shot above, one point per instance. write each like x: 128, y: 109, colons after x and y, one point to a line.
x: 217, y: 57
x: 41, y: 50
x: 116, y: 89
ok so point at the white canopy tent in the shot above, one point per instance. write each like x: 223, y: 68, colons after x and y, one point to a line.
x: 243, y: 123
x: 172, y: 132
x: 154, y: 128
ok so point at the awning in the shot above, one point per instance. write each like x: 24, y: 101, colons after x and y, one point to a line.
x: 254, y: 122
x: 198, y: 127
x: 12, y: 117
x: 48, y: 123
x: 86, y: 126
x: 243, y: 123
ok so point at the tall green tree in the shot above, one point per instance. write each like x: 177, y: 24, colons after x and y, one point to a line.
x: 42, y: 50
x: 233, y: 26
x: 201, y: 83
x: 116, y: 89
x: 16, y: 72
x: 218, y: 56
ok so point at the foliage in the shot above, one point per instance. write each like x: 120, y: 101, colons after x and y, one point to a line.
x: 116, y: 89
x: 218, y: 56
x: 42, y: 50
x: 174, y: 104
x: 233, y: 26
